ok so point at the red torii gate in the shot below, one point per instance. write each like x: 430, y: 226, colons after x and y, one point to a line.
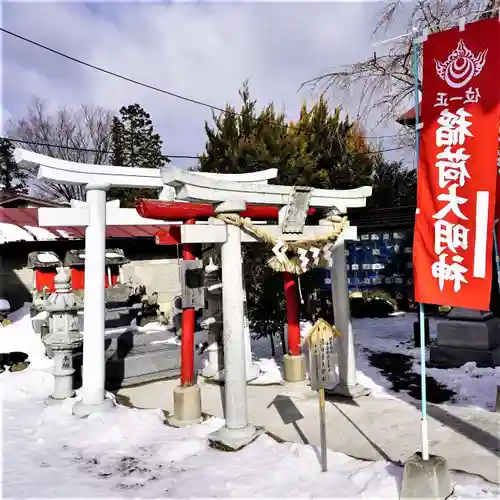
x: 189, y: 213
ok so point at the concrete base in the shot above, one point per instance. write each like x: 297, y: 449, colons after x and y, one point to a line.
x: 295, y: 368
x: 212, y: 375
x: 426, y: 478
x: 82, y: 410
x: 187, y: 406
x: 466, y: 336
x: 444, y: 356
x: 349, y: 391
x: 252, y: 372
x: 50, y: 401
x: 217, y: 376
x: 234, y: 439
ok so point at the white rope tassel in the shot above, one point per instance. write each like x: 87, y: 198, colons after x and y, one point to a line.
x: 300, y: 290
x: 290, y: 256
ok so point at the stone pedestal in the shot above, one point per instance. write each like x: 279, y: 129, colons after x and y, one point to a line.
x: 83, y: 410
x: 214, y: 370
x: 63, y: 373
x: 295, y: 368
x: 464, y: 336
x: 234, y: 439
x: 187, y: 406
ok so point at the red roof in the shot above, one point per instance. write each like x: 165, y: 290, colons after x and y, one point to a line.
x: 408, y: 118
x: 21, y: 224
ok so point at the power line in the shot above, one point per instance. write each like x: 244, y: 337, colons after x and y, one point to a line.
x: 74, y: 148
x: 142, y: 84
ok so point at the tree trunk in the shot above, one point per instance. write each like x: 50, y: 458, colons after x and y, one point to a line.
x: 284, y: 347
x: 273, y: 348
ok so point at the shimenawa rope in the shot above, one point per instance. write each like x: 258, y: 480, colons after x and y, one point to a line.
x: 289, y: 260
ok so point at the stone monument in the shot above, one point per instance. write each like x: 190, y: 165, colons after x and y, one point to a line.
x: 64, y: 337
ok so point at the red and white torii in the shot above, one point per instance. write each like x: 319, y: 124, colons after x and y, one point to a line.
x: 203, y: 197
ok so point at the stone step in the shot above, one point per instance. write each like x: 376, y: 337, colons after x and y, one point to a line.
x: 143, y: 363
x: 125, y: 341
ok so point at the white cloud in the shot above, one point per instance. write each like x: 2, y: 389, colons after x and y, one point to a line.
x: 201, y: 50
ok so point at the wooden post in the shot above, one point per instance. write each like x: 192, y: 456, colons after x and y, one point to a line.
x: 321, y: 341
x: 188, y: 327
x: 322, y: 430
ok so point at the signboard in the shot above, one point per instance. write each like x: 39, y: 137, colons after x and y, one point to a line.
x: 296, y: 212
x: 192, y: 284
x: 321, y: 343
x: 457, y: 172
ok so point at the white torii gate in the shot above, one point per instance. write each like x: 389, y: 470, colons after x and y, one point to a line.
x: 94, y: 215
x: 230, y: 196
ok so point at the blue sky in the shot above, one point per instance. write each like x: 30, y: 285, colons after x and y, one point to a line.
x: 204, y: 50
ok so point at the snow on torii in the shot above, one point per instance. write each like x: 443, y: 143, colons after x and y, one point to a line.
x: 230, y: 194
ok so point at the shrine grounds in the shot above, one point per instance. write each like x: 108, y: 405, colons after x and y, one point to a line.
x: 48, y: 453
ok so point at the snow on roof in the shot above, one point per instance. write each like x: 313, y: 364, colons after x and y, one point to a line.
x: 21, y: 224
x: 11, y: 232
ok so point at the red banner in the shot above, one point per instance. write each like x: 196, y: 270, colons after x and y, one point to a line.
x: 457, y: 170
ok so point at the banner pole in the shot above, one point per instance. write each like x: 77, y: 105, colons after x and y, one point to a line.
x: 497, y: 256
x: 424, y: 433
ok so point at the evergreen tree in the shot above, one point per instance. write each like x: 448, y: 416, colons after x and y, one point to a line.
x: 135, y: 144
x: 117, y: 138
x: 323, y: 149
x: 340, y: 156
x: 12, y: 178
x: 394, y: 185
x: 247, y: 141
x: 320, y: 150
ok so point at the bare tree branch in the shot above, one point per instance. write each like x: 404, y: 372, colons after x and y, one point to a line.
x: 386, y: 82
x: 87, y: 128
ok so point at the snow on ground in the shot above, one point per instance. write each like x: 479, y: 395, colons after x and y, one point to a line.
x: 474, y: 386
x: 19, y: 336
x: 47, y: 452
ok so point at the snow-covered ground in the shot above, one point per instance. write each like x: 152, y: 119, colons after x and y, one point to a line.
x: 47, y: 452
x: 473, y: 386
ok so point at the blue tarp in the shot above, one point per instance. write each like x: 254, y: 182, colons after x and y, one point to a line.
x: 378, y: 260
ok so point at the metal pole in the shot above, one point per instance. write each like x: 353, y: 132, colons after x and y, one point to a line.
x: 424, y: 432
x: 497, y: 256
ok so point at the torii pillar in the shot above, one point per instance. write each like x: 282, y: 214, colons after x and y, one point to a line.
x: 93, y: 373
x: 237, y: 431
x: 348, y: 385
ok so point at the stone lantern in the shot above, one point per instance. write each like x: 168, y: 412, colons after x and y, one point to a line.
x: 64, y: 336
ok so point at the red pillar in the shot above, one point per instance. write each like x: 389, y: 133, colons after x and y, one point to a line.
x: 292, y: 314
x: 188, y: 327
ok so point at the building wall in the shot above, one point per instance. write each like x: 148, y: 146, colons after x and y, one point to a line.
x: 158, y: 275
x: 150, y: 265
